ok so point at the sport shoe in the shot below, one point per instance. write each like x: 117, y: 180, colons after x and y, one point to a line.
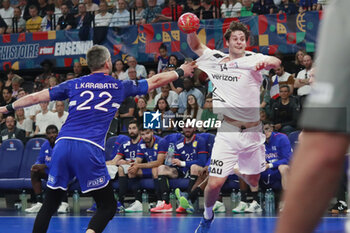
x: 181, y: 210
x: 254, y: 207
x: 339, y: 207
x: 219, y: 207
x: 163, y: 208
x: 204, y: 225
x: 92, y: 209
x: 120, y: 207
x: 184, y: 203
x: 63, y: 208
x: 240, y: 208
x: 35, y: 208
x: 134, y: 207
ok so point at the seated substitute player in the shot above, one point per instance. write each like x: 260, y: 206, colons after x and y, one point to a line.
x: 237, y: 80
x: 94, y: 100
x: 278, y: 154
x: 189, y: 157
x: 40, y: 170
x: 151, y: 149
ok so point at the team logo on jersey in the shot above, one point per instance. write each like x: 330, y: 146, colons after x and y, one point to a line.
x: 151, y: 120
x: 194, y: 144
x: 156, y: 146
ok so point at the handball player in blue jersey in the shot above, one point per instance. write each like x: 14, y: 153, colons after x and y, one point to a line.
x: 79, y: 150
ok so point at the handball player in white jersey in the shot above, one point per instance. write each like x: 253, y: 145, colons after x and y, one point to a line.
x: 239, y: 142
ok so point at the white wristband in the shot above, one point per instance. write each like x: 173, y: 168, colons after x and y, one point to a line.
x: 270, y: 165
x: 183, y: 164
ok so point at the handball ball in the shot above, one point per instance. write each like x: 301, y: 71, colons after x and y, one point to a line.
x: 188, y: 23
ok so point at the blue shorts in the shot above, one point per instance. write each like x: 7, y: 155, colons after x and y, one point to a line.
x: 74, y: 158
x: 271, y: 178
x: 147, y: 173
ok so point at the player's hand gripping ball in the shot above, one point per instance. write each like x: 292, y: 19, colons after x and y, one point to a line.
x: 188, y: 23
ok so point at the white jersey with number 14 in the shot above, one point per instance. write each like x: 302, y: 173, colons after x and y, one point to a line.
x: 236, y: 92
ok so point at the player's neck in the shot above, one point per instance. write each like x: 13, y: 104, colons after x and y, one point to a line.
x: 105, y: 71
x: 136, y: 140
x: 150, y: 144
x: 190, y: 139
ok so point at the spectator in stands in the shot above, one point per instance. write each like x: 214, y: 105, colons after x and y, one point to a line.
x: 60, y: 114
x: 19, y: 23
x: 11, y: 131
x: 74, y: 9
x: 189, y: 157
x: 24, y: 6
x: 70, y: 76
x: 283, y: 77
x: 167, y: 115
x: 231, y: 8
x: 6, y: 12
x: 41, y: 80
x: 278, y: 154
x: 208, y: 110
x: 162, y: 59
x: 194, y: 6
x: 16, y: 84
x: 42, y: 7
x: 140, y: 110
x: 171, y: 12
x: 193, y: 110
x: 27, y: 110
x: 178, y: 84
x: 126, y: 112
x: 132, y: 74
x: 171, y: 96
x: 151, y: 149
x: 40, y: 170
x: 34, y: 23
x: 302, y: 82
x: 14, y: 3
x: 140, y: 69
x: 3, y: 26
x: 188, y: 90
x: 103, y: 19
x: 9, y: 74
x: 263, y: 7
x: 43, y: 119
x: 139, y: 9
x: 90, y: 6
x: 285, y: 111
x: 125, y: 156
x: 150, y: 97
x: 119, y: 72
x: 47, y: 24
x: 23, y: 123
x: 288, y: 7
x: 83, y: 22
x: 7, y: 97
x: 151, y: 13
x: 247, y: 8
x: 298, y: 62
x: 207, y: 11
x: 77, y: 69
x: 307, y: 5
x: 67, y: 20
x: 173, y: 60
x: 122, y: 16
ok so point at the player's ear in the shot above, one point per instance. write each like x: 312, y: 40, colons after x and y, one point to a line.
x: 227, y: 44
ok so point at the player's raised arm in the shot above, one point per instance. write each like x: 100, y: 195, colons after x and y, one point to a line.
x: 269, y: 63
x: 161, y: 79
x: 35, y: 98
x: 195, y: 44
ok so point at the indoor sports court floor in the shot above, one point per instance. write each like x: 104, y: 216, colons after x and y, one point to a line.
x: 13, y: 221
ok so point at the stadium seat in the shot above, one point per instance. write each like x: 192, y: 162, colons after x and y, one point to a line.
x: 30, y: 154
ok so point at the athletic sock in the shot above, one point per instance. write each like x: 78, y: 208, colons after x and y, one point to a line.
x: 193, y: 196
x: 123, y: 188
x: 244, y: 196
x: 208, y: 212
x: 39, y: 198
x: 164, y: 188
x: 255, y: 196
x: 193, y: 180
x: 157, y: 189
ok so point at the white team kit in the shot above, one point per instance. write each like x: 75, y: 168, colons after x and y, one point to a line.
x: 236, y: 94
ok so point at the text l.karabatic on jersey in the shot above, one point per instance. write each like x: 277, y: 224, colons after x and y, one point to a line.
x: 93, y: 102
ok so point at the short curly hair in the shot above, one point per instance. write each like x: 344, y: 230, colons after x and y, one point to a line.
x: 237, y: 26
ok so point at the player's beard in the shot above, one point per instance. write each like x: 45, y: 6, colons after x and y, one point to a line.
x: 133, y: 136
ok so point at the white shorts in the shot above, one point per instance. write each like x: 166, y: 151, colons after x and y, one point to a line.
x: 233, y: 147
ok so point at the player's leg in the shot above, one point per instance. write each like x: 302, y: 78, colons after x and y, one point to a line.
x: 106, y: 208
x: 134, y: 180
x: 316, y: 167
x: 284, y: 171
x: 37, y: 173
x: 156, y: 185
x: 49, y: 207
x: 123, y: 184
